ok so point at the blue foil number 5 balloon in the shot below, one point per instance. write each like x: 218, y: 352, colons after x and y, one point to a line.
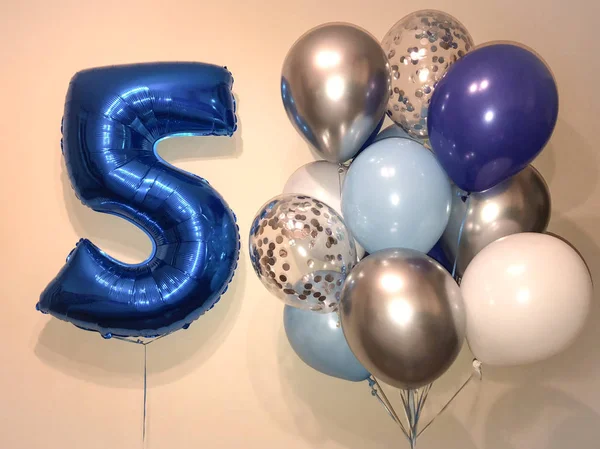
x: 114, y: 117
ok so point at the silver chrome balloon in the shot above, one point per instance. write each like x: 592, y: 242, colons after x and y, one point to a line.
x: 335, y: 83
x: 519, y: 204
x: 403, y: 317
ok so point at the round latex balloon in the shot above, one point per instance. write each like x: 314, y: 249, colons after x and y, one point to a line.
x: 319, y: 341
x: 519, y: 204
x: 301, y: 251
x: 335, y: 82
x: 492, y: 114
x: 403, y: 317
x: 396, y: 195
x: 321, y: 180
x: 527, y: 297
x: 420, y: 47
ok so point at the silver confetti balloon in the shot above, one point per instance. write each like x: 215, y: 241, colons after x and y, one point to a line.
x: 335, y: 83
x: 519, y: 204
x: 403, y: 317
x: 420, y: 47
x: 301, y: 251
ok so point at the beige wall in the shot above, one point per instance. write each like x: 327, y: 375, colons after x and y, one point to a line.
x: 231, y: 380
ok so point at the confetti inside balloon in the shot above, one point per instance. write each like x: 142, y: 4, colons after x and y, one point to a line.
x: 301, y: 251
x: 420, y: 48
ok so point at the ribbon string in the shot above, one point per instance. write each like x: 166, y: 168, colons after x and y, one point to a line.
x: 144, y: 343
x: 413, y: 402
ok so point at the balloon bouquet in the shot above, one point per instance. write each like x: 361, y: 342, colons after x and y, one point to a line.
x: 346, y: 245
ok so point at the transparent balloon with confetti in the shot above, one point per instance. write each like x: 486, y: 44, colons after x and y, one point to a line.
x: 301, y: 251
x: 420, y: 48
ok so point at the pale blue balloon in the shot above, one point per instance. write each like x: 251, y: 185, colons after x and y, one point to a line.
x: 319, y: 341
x: 396, y: 195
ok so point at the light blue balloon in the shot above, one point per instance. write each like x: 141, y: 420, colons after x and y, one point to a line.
x: 393, y: 131
x: 319, y: 341
x: 396, y: 195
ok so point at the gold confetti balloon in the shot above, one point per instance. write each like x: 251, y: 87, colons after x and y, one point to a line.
x: 301, y: 251
x: 420, y: 48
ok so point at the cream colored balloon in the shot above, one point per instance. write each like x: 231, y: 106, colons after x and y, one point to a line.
x: 527, y: 297
x: 323, y: 181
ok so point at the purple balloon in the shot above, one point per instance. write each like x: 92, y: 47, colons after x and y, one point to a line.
x: 492, y: 114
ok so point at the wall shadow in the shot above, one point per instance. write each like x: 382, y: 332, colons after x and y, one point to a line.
x: 569, y: 164
x: 535, y: 412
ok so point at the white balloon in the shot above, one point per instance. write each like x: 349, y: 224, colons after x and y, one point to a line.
x: 320, y: 179
x: 323, y: 181
x: 527, y: 297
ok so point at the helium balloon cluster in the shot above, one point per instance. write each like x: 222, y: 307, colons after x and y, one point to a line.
x: 374, y: 240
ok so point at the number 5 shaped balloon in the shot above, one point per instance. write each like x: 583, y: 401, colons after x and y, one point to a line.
x: 114, y: 117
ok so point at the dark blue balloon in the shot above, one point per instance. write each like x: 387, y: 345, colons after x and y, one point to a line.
x: 491, y: 115
x: 114, y: 116
x: 439, y: 256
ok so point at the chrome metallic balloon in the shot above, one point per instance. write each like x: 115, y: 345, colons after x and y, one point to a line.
x: 403, y: 317
x: 420, y: 47
x: 335, y: 83
x: 519, y: 204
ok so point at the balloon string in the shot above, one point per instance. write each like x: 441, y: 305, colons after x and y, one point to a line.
x: 414, y: 402
x: 411, y: 412
x: 460, y: 233
x: 475, y: 374
x: 378, y: 393
x: 139, y: 341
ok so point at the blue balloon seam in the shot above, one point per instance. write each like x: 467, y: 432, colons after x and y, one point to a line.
x: 114, y: 117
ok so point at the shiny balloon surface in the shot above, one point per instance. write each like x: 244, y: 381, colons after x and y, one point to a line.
x: 520, y: 204
x: 114, y: 116
x: 420, y: 48
x: 335, y: 83
x: 403, y: 317
x: 301, y: 251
